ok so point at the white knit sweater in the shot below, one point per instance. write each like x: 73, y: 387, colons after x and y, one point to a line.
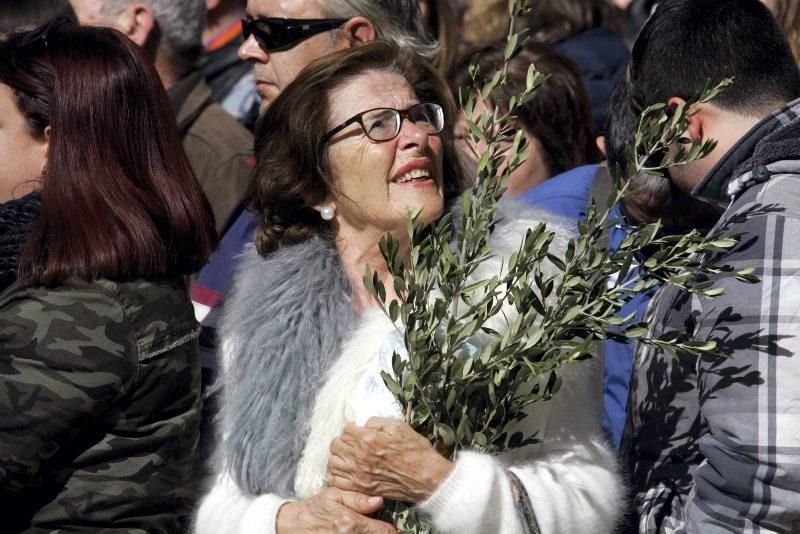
x: 570, y: 477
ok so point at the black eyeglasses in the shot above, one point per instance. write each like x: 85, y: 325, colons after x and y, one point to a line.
x: 382, y: 124
x: 274, y: 34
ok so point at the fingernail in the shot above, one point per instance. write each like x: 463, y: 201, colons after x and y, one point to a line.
x: 374, y: 500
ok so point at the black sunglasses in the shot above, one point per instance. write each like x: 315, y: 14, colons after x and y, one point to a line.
x: 382, y: 124
x: 274, y: 34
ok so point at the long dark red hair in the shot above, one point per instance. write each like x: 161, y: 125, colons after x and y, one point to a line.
x: 119, y: 199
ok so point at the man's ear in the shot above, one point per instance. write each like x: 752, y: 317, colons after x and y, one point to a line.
x: 359, y: 30
x: 600, y: 141
x: 694, y: 117
x: 137, y: 22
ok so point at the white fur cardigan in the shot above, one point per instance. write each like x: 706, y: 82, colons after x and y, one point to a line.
x: 570, y: 477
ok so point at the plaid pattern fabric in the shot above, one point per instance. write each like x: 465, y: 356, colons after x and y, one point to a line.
x: 713, y: 445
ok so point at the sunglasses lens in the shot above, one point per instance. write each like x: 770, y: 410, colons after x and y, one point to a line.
x: 270, y: 35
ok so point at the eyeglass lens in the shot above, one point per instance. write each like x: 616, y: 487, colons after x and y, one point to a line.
x: 384, y: 124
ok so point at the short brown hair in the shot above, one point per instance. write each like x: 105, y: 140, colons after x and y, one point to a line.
x: 293, y: 171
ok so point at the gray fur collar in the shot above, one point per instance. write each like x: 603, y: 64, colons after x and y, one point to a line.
x: 284, y: 327
x: 285, y: 322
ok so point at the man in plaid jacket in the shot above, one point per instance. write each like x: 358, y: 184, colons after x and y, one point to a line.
x: 713, y: 445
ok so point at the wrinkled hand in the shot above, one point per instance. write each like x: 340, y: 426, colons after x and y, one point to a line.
x: 386, y: 458
x: 332, y: 510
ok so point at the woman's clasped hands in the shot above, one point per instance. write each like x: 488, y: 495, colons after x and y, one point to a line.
x: 333, y: 510
x: 386, y: 458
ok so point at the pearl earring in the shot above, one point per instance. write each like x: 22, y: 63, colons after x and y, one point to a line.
x: 327, y: 212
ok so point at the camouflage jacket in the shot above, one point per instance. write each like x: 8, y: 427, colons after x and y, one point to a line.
x: 99, y: 407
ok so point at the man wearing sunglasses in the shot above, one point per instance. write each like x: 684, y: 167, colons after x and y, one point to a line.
x: 283, y: 36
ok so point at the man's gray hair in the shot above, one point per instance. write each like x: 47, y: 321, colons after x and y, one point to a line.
x: 396, y: 21
x: 181, y: 22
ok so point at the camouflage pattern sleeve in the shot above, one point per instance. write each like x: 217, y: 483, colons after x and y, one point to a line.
x: 66, y: 356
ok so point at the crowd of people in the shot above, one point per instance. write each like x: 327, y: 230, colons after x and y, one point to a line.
x: 191, y: 191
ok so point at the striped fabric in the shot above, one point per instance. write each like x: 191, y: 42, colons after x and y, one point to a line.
x: 713, y: 445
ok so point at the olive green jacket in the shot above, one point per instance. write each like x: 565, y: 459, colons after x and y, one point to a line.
x: 99, y: 406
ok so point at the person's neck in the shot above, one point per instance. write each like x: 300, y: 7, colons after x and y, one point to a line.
x: 221, y: 18
x: 727, y: 129
x: 359, y: 248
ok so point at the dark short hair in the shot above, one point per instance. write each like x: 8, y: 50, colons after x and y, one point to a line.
x: 119, y: 199
x: 16, y: 16
x: 619, y: 128
x: 687, y: 43
x: 293, y: 170
x: 559, y: 116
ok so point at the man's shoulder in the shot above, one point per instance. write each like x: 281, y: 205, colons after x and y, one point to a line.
x: 128, y: 318
x: 159, y: 311
x: 74, y: 319
x: 217, y: 130
x: 566, y: 194
x: 775, y: 201
x: 781, y: 194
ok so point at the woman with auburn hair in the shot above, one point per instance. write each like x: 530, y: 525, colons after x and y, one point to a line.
x: 101, y: 217
x: 312, y: 439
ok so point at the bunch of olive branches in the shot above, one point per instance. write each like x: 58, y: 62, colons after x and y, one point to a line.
x: 463, y: 384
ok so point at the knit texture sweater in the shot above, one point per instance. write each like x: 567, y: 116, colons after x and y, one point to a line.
x: 570, y: 477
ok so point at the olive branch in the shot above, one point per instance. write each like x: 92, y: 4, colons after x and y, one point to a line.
x: 482, y: 350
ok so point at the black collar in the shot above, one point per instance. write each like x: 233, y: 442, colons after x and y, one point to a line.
x: 752, y: 153
x: 17, y: 218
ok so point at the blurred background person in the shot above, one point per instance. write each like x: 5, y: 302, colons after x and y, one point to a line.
x: 634, y: 13
x: 787, y: 12
x: 231, y: 82
x: 100, y: 218
x: 588, y: 32
x: 444, y: 26
x: 16, y: 16
x: 484, y: 21
x: 170, y: 32
x: 557, y: 122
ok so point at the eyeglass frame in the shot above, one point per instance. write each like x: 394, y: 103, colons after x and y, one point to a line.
x: 313, y: 27
x: 403, y: 113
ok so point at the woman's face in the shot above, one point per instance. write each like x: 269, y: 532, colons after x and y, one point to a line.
x: 532, y: 172
x: 377, y: 184
x: 21, y: 155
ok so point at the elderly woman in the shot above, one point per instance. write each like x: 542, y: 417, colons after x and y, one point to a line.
x: 311, y: 441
